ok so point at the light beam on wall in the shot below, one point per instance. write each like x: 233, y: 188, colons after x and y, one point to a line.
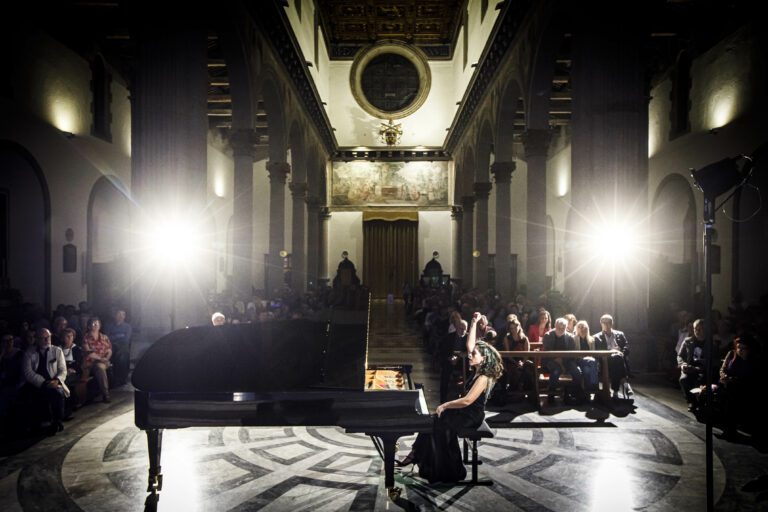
x: 722, y: 106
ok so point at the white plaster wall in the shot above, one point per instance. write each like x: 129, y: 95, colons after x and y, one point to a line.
x: 436, y: 234
x: 724, y: 95
x: 221, y: 170
x: 558, y: 206
x: 425, y: 127
x: 658, y: 117
x: 304, y: 30
x: 121, y: 120
x: 345, y: 233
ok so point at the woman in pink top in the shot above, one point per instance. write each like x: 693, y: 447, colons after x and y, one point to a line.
x: 98, y: 351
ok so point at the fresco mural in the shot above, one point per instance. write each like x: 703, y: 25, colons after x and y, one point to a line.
x: 389, y: 183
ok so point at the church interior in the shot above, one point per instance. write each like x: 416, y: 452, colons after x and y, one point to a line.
x: 302, y: 169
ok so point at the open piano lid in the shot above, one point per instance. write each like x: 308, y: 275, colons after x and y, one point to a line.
x: 283, y: 355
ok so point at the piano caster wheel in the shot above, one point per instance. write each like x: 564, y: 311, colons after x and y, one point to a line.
x: 394, y: 493
x: 155, y: 483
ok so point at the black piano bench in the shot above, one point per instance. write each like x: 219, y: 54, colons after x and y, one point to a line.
x: 474, y: 435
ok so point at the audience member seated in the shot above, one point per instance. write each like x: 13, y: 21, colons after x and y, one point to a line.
x: 218, y: 318
x: 59, y: 324
x: 119, y: 334
x: 45, y: 373
x: 736, y: 387
x: 692, y: 362
x: 611, y: 339
x: 98, y: 352
x: 556, y: 340
x: 588, y: 365
x: 520, y: 372
x: 542, y: 324
x: 449, y: 363
x: 73, y: 357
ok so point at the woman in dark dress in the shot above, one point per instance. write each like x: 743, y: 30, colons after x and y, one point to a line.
x: 438, y: 454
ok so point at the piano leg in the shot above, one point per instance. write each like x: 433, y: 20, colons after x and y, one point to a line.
x: 389, y: 442
x: 154, y: 443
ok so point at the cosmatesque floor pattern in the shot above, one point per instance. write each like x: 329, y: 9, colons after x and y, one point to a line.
x: 652, y: 459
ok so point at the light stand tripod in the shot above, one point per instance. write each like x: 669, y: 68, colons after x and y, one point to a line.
x: 714, y: 180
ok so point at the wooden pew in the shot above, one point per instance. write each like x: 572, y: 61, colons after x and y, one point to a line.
x: 603, y: 394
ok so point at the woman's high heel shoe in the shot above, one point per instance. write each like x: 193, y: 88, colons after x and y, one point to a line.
x: 410, y: 459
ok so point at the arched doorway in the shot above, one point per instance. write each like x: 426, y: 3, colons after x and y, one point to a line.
x: 108, y: 272
x: 25, y: 248
x: 673, y: 260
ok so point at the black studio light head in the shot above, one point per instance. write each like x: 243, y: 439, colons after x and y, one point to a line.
x: 717, y: 178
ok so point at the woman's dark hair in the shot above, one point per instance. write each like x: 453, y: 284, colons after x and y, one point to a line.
x: 491, y: 366
x: 91, y: 321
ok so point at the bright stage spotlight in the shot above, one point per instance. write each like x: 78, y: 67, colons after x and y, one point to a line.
x: 616, y: 241
x: 175, y: 241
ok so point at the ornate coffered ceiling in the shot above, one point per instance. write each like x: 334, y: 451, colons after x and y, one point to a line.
x: 431, y: 25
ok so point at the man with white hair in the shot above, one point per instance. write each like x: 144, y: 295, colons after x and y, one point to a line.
x: 218, y: 318
x: 45, y: 372
x: 556, y: 340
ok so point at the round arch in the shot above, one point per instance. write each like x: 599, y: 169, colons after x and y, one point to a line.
x: 484, y: 150
x: 673, y: 244
x: 506, y: 115
x: 26, y: 198
x: 107, y: 266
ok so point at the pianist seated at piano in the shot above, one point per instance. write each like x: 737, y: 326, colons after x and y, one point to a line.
x: 438, y: 454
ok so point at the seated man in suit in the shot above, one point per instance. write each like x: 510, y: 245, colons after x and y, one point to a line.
x: 555, y: 340
x: 611, y: 339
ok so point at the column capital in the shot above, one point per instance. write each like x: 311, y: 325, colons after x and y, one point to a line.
x: 324, y: 213
x: 482, y: 190
x: 298, y: 189
x: 278, y: 171
x: 313, y: 203
x: 242, y: 142
x: 502, y: 171
x: 468, y: 203
x: 536, y: 142
x: 457, y: 212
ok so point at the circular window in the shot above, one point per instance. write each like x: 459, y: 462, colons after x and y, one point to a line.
x: 390, y: 80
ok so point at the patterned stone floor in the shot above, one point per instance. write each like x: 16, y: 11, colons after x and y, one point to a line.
x: 651, y: 458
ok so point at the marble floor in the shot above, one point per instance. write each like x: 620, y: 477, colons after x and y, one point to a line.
x: 650, y: 456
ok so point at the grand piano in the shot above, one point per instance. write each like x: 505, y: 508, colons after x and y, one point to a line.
x: 282, y: 373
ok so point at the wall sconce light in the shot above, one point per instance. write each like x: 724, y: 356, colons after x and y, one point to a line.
x: 68, y: 135
x: 714, y: 131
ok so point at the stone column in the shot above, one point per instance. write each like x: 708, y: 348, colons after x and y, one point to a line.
x: 298, y: 250
x: 536, y: 143
x: 169, y: 128
x: 324, y: 276
x: 313, y: 238
x: 467, y: 241
x: 242, y: 142
x: 456, y: 217
x: 610, y: 166
x: 502, y: 173
x: 278, y: 172
x: 482, y: 190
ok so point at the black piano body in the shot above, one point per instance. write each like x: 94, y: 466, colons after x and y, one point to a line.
x: 282, y: 373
